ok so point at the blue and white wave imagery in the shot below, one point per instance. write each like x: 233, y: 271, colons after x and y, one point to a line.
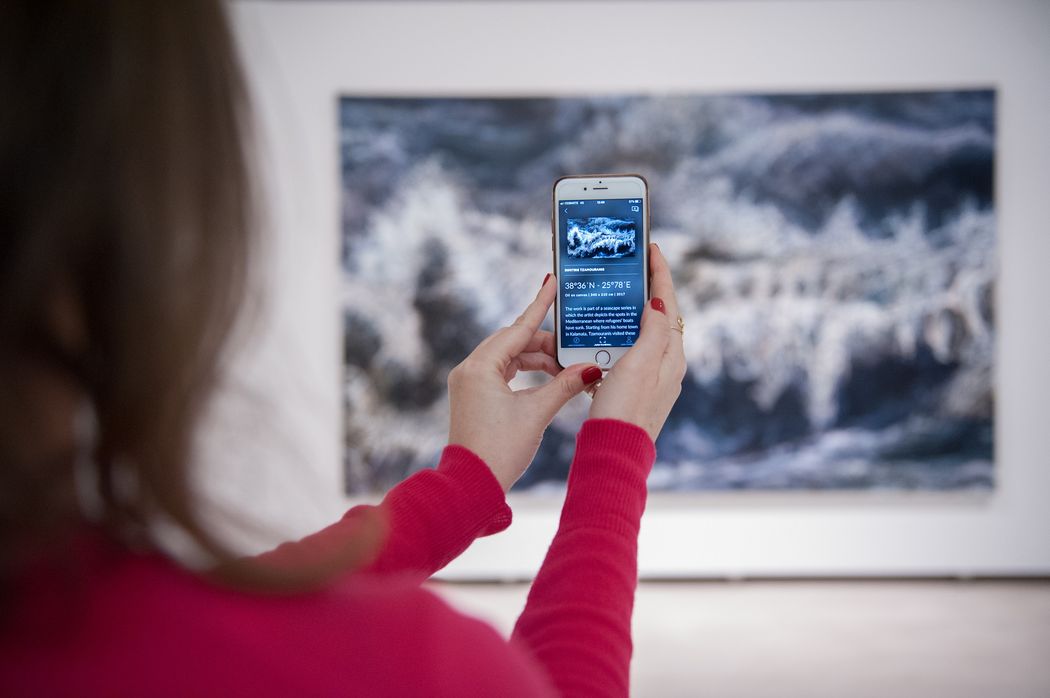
x: 600, y: 237
x: 834, y: 257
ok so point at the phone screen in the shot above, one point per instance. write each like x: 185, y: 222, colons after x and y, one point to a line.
x: 602, y: 255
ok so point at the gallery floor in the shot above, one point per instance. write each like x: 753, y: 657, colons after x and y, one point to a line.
x: 823, y: 638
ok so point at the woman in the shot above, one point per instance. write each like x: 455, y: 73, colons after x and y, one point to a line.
x: 125, y: 230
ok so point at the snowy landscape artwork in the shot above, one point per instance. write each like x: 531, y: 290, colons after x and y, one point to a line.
x: 834, y: 255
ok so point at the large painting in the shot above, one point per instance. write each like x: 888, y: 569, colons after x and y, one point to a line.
x: 834, y: 254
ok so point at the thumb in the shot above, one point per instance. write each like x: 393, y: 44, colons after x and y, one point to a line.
x: 569, y: 383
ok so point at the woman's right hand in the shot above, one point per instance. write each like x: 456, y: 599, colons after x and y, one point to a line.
x: 646, y: 381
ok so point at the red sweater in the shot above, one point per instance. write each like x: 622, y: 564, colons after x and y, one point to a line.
x: 128, y: 623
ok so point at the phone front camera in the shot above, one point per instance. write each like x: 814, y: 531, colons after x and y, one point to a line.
x: 585, y: 188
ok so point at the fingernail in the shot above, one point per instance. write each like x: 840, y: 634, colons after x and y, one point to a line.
x: 658, y: 304
x: 545, y: 280
x: 591, y: 374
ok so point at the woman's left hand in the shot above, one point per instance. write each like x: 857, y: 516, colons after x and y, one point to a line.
x: 502, y: 426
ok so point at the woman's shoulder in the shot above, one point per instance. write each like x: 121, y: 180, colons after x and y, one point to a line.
x: 145, y: 625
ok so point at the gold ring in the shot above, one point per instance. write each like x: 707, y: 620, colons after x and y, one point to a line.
x: 681, y: 326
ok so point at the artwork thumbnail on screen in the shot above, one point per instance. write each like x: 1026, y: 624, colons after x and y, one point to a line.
x: 602, y: 290
x: 601, y: 237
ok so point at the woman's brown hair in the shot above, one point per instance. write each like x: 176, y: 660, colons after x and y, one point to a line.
x: 125, y: 237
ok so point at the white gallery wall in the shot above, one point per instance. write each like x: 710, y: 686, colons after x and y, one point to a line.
x: 273, y: 453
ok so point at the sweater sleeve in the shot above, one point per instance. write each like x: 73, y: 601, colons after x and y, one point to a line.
x: 577, y: 620
x: 432, y: 517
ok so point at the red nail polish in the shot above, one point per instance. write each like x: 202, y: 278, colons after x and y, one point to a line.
x: 545, y: 280
x: 658, y: 304
x: 591, y: 374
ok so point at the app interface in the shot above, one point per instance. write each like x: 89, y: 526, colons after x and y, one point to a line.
x: 602, y: 284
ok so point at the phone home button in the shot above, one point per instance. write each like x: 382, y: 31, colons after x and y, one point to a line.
x: 603, y: 357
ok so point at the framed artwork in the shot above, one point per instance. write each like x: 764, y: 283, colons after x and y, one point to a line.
x: 834, y: 255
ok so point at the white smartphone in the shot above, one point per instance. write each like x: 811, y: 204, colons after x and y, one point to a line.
x: 600, y: 240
